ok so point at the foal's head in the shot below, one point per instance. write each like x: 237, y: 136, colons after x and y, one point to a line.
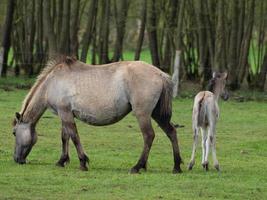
x: 217, y: 85
x: 26, y: 137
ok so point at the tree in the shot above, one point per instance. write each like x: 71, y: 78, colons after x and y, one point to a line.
x: 6, y: 40
x: 141, y: 31
x: 120, y: 10
x: 88, y: 34
x: 152, y: 32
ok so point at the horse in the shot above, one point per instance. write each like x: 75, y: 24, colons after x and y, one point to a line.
x: 205, y: 116
x: 97, y: 95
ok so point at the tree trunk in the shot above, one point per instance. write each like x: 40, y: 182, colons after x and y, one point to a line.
x: 6, y: 40
x: 262, y: 76
x: 233, y: 59
x: 243, y: 61
x: 48, y: 29
x: 104, y: 32
x: 29, y: 36
x: 74, y: 43
x: 141, y: 32
x: 40, y: 51
x: 88, y: 34
x: 204, y: 61
x: 120, y: 25
x: 64, y: 44
x: 175, y: 75
x: 152, y: 32
x: 220, y: 47
x: 171, y: 25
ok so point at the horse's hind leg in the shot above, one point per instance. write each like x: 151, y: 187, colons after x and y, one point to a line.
x: 170, y: 131
x: 204, y: 148
x: 213, y: 148
x: 195, y: 140
x: 70, y: 130
x: 148, y: 136
x: 64, y: 158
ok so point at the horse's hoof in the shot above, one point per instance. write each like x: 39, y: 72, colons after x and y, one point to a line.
x: 63, y: 161
x: 134, y: 171
x: 177, y: 171
x: 59, y: 164
x: 190, y: 166
x: 205, y: 165
x: 84, y: 168
x: 217, y: 167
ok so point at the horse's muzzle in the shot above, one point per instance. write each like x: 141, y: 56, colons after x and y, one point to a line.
x: 19, y: 160
x: 225, y: 96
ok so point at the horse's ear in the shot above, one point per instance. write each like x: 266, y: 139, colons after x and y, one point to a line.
x: 225, y: 75
x: 18, y: 116
x: 214, y: 74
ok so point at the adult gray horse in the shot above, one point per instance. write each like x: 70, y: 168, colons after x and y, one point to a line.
x: 98, y: 95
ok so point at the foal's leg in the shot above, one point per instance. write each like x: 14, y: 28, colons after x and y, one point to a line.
x: 148, y: 136
x: 195, y: 140
x: 204, y: 149
x: 209, y: 141
x: 70, y: 130
x: 213, y: 148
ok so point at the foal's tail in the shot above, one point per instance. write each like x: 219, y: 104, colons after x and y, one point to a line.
x: 201, y: 117
x: 163, y: 109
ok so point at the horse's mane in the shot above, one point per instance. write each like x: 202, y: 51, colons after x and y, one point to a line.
x: 211, y: 85
x: 50, y: 66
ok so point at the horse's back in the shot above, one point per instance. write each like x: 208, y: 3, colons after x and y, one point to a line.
x: 104, y: 94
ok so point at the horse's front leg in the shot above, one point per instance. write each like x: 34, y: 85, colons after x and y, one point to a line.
x: 64, y: 158
x: 148, y: 136
x: 70, y: 130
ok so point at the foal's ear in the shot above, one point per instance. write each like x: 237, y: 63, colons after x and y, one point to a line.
x: 18, y: 116
x: 224, y: 75
x: 214, y: 74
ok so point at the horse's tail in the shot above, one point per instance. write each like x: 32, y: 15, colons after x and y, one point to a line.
x: 163, y: 109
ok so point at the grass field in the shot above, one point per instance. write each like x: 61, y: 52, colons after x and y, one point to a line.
x: 113, y: 150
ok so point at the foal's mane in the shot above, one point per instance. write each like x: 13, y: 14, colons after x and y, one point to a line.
x: 50, y: 66
x: 211, y: 85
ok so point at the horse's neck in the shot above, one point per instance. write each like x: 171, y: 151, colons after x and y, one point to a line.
x: 35, y: 108
x: 216, y: 95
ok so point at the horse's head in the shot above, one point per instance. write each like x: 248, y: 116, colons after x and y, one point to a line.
x: 26, y: 137
x: 217, y: 85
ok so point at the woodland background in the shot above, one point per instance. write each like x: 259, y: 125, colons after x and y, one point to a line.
x: 220, y: 35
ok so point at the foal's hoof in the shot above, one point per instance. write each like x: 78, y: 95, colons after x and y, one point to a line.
x: 59, y: 164
x: 134, y: 171
x: 84, y: 168
x: 206, y: 166
x: 190, y: 166
x: 217, y: 167
x: 177, y: 171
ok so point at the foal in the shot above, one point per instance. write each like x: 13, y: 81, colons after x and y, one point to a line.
x: 205, y: 116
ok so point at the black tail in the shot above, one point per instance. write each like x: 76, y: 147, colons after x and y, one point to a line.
x: 163, y: 109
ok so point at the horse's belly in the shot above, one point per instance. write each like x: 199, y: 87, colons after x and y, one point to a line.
x: 101, y: 116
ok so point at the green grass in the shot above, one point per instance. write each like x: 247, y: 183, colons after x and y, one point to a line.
x: 113, y: 150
